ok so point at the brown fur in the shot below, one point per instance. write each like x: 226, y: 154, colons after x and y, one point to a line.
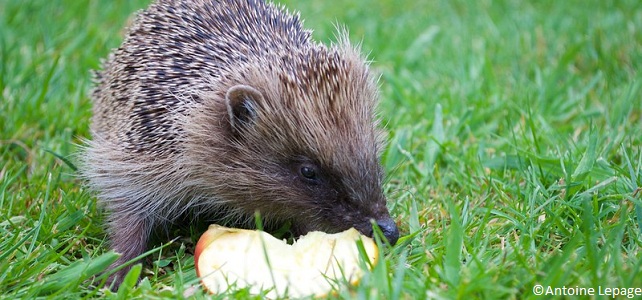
x: 221, y: 108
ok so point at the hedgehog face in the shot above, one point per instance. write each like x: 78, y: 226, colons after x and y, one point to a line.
x: 293, y: 137
x: 319, y: 153
x: 336, y: 201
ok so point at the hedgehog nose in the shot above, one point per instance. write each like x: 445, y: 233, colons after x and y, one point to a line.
x: 389, y: 229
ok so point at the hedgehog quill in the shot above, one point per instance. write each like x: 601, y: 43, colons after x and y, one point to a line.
x: 216, y: 109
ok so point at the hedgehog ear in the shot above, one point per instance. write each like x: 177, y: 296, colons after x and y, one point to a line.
x: 241, y: 101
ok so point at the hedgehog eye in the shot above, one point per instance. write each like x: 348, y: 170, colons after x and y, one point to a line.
x: 309, y: 173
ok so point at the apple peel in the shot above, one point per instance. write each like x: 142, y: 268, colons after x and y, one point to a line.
x: 256, y: 260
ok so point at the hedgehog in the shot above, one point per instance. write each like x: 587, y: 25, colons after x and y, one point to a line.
x: 216, y: 110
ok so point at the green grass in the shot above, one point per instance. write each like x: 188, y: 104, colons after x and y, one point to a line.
x: 514, y: 158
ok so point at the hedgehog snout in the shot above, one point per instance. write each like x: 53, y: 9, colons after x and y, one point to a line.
x: 387, y: 226
x: 389, y: 229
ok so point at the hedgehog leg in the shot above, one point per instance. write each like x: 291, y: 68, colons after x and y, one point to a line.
x: 129, y: 235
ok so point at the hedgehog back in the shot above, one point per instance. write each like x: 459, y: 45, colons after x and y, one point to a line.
x: 171, y: 54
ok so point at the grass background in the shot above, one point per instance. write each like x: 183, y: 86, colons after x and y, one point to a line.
x: 514, y: 156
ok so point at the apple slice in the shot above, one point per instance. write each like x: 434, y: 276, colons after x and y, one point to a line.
x: 256, y: 260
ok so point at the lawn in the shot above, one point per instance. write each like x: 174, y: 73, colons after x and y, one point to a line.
x: 514, y: 154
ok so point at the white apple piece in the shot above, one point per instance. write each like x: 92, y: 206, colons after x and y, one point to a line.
x: 313, y: 265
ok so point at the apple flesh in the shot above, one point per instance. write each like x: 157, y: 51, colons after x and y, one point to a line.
x: 253, y: 259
